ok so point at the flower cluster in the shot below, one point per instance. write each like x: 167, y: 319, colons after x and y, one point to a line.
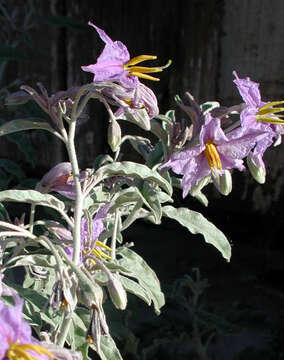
x: 219, y: 150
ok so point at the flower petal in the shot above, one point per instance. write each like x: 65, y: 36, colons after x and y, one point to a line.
x: 249, y: 91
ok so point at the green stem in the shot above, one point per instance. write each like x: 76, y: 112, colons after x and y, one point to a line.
x: 76, y: 231
x: 127, y: 222
x: 32, y: 218
x: 65, y: 325
x: 114, y: 234
x: 79, y: 199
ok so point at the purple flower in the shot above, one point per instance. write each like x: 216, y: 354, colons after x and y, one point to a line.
x: 143, y: 98
x: 259, y: 115
x: 90, y: 245
x: 16, y: 341
x: 59, y: 179
x: 137, y: 105
x: 215, y: 153
x: 114, y: 63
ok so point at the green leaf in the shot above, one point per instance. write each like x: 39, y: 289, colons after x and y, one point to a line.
x: 156, y: 156
x: 131, y: 169
x: 3, y: 213
x: 9, y: 53
x: 139, y: 269
x: 77, y: 334
x: 209, y: 106
x: 140, y: 144
x: 196, y: 190
x: 102, y: 160
x: 152, y: 201
x: 27, y: 260
x: 109, y: 351
x: 198, y: 224
x: 160, y: 132
x: 150, y: 196
x: 24, y: 124
x: 36, y: 300
x: 32, y: 197
x: 171, y: 114
x: 134, y: 288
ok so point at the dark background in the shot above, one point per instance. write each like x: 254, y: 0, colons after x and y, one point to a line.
x: 206, y: 41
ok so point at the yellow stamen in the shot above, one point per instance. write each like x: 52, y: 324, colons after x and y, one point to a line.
x: 90, y: 339
x: 141, y: 71
x: 272, y: 103
x: 145, y: 69
x: 144, y: 76
x: 268, y: 109
x: 212, y: 156
x: 100, y: 244
x: 69, y: 177
x: 138, y: 59
x: 64, y: 304
x: 96, y: 252
x: 103, y: 255
x: 100, y: 254
x: 19, y: 352
x: 129, y: 102
x: 269, y: 120
x: 93, y: 261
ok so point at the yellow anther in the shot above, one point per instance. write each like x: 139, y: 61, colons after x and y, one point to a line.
x: 138, y: 59
x: 100, y: 244
x: 212, y: 156
x: 268, y: 109
x: 100, y: 254
x: 145, y: 69
x: 128, y: 101
x: 269, y: 120
x: 19, y: 352
x: 272, y: 103
x: 141, y: 71
x: 90, y: 339
x: 69, y: 177
x: 64, y: 304
x: 144, y: 76
x: 97, y: 253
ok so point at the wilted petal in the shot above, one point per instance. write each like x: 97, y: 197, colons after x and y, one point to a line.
x: 56, y: 177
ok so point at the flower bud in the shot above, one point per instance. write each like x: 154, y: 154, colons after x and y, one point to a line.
x: 256, y: 168
x: 117, y: 293
x: 114, y: 135
x: 139, y: 117
x: 223, y: 182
